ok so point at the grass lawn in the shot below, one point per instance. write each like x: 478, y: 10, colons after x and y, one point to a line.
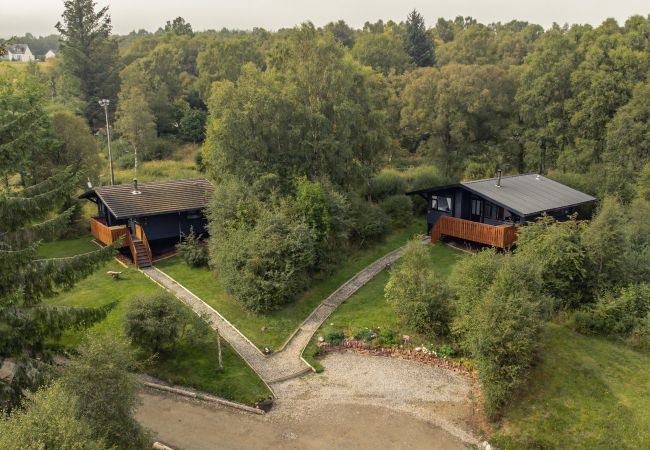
x: 586, y: 392
x: 281, y: 323
x: 368, y: 308
x: 191, y: 363
x: 67, y: 247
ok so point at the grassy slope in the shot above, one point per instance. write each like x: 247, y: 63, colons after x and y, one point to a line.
x: 68, y: 247
x: 283, y: 322
x: 368, y: 307
x: 586, y: 392
x: 193, y: 364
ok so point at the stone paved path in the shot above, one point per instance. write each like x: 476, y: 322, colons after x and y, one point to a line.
x: 286, y: 363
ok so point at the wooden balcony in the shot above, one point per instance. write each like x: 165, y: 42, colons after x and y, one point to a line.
x: 500, y: 236
x: 138, y: 245
x: 107, y: 235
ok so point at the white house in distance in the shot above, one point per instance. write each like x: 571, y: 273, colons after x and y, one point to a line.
x: 19, y: 52
x: 49, y: 55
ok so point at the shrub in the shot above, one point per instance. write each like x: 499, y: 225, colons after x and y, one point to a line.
x: 389, y: 337
x: 501, y: 332
x: 101, y: 378
x: 420, y: 297
x: 616, y: 314
x: 365, y: 334
x: 640, y: 337
x: 399, y: 208
x: 153, y: 323
x: 48, y: 420
x: 268, y: 265
x: 334, y: 337
x: 556, y: 248
x: 386, y: 184
x: 193, y: 251
x: 370, y: 222
x: 158, y: 149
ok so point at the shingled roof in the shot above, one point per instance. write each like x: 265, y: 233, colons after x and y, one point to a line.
x: 524, y: 195
x: 160, y: 197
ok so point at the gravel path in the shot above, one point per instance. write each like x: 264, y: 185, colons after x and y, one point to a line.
x: 359, y: 402
x: 286, y: 363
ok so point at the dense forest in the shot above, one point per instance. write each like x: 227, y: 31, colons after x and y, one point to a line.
x: 312, y: 135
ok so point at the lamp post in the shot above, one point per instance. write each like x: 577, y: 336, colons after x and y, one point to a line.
x: 104, y: 103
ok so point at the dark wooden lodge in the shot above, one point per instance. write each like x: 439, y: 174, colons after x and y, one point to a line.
x: 148, y: 215
x: 488, y: 211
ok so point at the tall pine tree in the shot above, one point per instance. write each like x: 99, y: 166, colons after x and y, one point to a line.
x: 417, y: 42
x: 27, y: 217
x: 90, y: 56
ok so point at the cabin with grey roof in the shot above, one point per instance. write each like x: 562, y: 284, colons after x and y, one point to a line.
x: 503, y: 200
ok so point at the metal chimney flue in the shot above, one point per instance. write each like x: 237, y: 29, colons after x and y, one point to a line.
x: 135, y: 187
x: 498, y: 183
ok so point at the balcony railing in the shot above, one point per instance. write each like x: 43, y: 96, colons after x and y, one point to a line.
x: 107, y: 235
x: 501, y: 236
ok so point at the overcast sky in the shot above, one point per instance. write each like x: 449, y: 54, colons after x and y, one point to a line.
x: 39, y: 16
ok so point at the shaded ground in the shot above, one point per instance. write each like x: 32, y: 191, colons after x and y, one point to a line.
x: 360, y: 402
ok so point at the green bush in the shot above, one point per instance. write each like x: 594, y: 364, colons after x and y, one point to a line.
x: 158, y: 149
x: 420, y: 297
x: 267, y: 265
x: 640, y: 336
x: 389, y: 337
x: 153, y: 323
x: 501, y: 331
x: 386, y: 184
x: 365, y: 334
x: 334, y: 337
x: 399, y: 208
x: 370, y: 222
x: 616, y: 314
x: 193, y: 251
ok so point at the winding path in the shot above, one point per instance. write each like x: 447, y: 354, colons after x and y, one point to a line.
x: 287, y: 362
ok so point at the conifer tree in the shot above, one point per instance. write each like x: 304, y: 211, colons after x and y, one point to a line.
x: 90, y: 56
x: 417, y: 42
x: 26, y: 218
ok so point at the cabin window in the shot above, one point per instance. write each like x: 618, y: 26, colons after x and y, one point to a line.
x: 440, y: 203
x: 500, y: 213
x: 193, y: 215
x: 476, y: 207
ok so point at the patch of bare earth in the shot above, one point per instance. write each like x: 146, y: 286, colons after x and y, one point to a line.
x: 358, y: 402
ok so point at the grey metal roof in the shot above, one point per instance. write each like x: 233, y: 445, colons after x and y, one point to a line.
x: 159, y: 197
x: 528, y: 194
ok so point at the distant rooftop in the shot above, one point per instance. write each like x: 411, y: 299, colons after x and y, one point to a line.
x: 18, y: 49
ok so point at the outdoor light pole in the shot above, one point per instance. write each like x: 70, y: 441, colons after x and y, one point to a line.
x: 104, y: 103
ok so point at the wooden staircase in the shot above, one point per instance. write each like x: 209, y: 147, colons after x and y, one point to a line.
x: 142, y: 258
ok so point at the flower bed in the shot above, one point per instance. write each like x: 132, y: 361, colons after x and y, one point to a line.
x: 420, y: 354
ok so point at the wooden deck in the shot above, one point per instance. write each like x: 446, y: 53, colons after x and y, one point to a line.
x: 500, y: 236
x: 139, y: 246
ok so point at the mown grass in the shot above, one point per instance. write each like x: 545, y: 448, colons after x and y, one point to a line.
x: 67, y: 247
x: 585, y: 392
x: 190, y: 363
x: 368, y: 308
x: 282, y: 322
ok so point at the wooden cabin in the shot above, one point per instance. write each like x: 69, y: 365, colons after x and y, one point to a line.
x: 149, y: 214
x: 488, y: 211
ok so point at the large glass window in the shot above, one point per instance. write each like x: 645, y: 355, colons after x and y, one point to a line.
x: 440, y: 203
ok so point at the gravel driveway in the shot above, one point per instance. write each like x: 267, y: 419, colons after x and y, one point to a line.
x: 359, y: 402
